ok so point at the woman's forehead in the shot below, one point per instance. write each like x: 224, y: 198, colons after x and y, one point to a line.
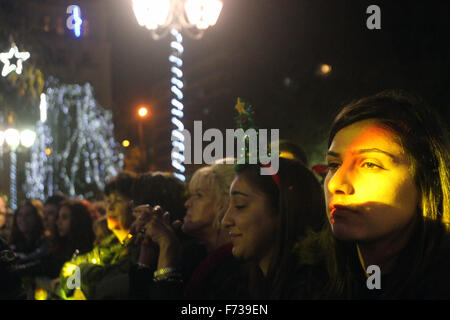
x: 200, y: 180
x: 366, y: 134
x: 243, y: 186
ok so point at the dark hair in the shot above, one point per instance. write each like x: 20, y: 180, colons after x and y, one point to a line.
x: 422, y: 136
x: 296, y: 150
x: 161, y: 188
x: 81, y: 235
x: 18, y: 239
x: 300, y: 206
x: 122, y: 183
x: 55, y: 199
x: 425, y: 141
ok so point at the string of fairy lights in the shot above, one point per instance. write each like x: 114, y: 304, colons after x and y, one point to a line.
x: 75, y: 152
x: 165, y: 16
x: 177, y: 104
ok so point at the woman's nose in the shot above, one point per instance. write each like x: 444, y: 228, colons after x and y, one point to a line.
x: 227, y: 220
x: 187, y: 204
x: 341, y: 181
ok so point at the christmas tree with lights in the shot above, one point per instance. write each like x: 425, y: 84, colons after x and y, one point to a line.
x: 75, y: 152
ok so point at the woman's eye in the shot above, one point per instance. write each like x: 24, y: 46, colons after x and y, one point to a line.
x: 239, y: 207
x: 333, y: 165
x: 370, y: 165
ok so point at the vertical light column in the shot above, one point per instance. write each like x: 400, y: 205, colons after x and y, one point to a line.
x: 177, y: 136
x: 13, y: 181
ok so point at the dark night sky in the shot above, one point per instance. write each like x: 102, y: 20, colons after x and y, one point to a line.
x: 258, y: 44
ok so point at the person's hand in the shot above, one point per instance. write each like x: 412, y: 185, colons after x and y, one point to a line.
x: 158, y: 229
x: 142, y: 214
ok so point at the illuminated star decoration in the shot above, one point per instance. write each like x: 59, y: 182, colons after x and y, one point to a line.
x: 240, y: 106
x: 13, y: 52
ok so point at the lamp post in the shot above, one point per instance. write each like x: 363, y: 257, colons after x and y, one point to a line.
x: 13, y: 138
x: 171, y: 16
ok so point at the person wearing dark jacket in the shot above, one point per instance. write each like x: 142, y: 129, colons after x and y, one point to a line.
x: 10, y: 282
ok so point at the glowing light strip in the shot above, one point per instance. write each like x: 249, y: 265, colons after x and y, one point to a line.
x: 78, y: 21
x: 12, y: 175
x: 177, y: 105
x: 74, y: 21
x: 43, y: 107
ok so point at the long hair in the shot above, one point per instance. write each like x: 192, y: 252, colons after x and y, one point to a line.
x: 31, y: 242
x: 425, y: 142
x: 81, y: 235
x: 300, y: 207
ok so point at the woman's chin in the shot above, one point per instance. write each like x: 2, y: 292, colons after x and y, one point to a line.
x: 192, y: 227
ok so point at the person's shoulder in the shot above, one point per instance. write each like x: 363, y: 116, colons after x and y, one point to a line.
x: 436, y: 284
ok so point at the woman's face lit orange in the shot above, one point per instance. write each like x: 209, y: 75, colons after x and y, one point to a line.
x: 117, y: 208
x: 369, y: 189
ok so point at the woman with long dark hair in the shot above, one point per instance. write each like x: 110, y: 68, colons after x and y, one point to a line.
x: 74, y: 226
x: 27, y: 232
x: 267, y: 216
x: 387, y: 193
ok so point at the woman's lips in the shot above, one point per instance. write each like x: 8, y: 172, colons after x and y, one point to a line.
x: 234, y: 235
x: 339, y: 211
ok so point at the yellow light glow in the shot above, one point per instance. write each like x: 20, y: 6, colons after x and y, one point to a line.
x: 68, y: 269
x: 125, y: 143
x: 94, y: 261
x: 48, y: 151
x: 79, y: 295
x: 40, y: 294
x: 325, y: 69
x: 286, y: 155
x: 142, y: 112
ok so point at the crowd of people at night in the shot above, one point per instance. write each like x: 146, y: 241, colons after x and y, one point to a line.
x: 374, y: 226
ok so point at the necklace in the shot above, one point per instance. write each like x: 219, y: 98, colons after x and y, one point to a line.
x: 361, y: 261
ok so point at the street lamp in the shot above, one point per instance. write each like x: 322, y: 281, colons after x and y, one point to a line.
x: 162, y: 17
x: 142, y: 113
x: 14, y: 138
x: 125, y: 143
